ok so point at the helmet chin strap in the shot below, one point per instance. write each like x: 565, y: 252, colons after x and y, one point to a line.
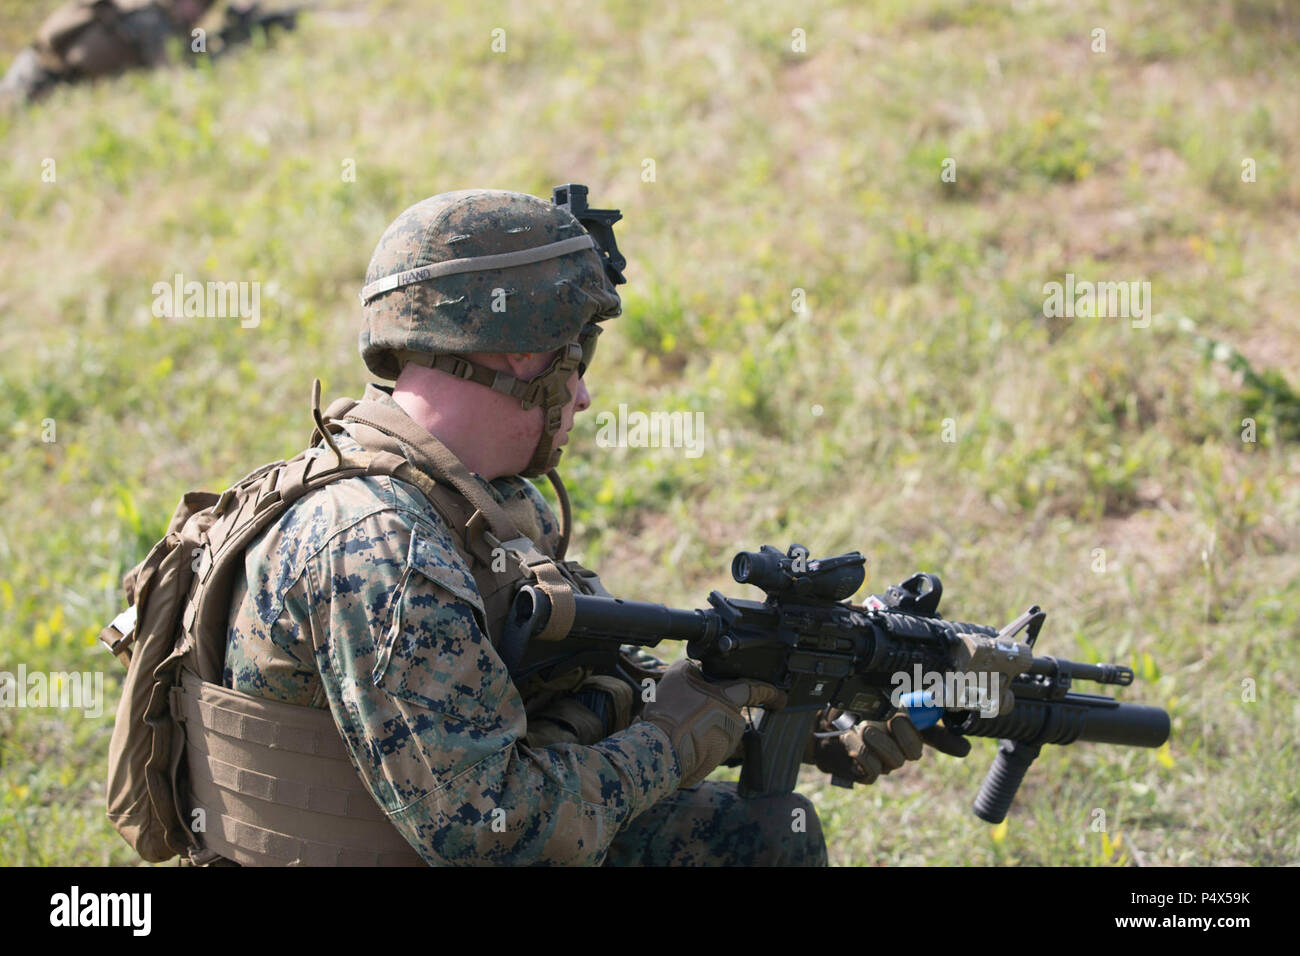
x: 550, y: 390
x: 555, y: 395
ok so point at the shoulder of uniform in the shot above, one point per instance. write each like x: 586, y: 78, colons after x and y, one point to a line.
x: 354, y: 527
x: 340, y: 503
x: 323, y: 512
x: 386, y: 507
x: 434, y: 555
x: 391, y: 506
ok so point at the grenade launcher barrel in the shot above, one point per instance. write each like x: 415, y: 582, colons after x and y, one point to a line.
x: 824, y: 653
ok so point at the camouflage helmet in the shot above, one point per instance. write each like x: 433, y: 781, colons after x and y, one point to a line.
x: 480, y: 270
x: 483, y: 270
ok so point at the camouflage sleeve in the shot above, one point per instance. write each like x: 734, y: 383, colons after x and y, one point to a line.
x: 434, y: 723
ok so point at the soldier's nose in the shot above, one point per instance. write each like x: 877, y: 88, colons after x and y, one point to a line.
x: 584, y: 397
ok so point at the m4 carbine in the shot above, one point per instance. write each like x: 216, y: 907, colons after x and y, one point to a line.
x: 824, y: 652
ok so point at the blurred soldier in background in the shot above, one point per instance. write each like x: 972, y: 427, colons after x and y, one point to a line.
x: 86, y: 39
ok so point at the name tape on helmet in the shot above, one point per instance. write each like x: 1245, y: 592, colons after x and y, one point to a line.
x: 503, y: 260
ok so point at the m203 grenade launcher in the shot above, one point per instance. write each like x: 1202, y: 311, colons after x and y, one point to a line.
x: 865, y: 660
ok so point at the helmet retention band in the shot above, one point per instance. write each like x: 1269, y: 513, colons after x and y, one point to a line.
x: 504, y: 260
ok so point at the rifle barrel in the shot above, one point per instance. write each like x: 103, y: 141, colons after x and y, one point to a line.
x: 635, y: 619
x: 1099, y: 673
x: 628, y: 622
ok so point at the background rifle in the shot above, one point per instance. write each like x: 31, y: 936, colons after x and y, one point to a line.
x: 806, y: 639
x: 242, y: 21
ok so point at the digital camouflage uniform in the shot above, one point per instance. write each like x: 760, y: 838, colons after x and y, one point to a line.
x: 356, y: 600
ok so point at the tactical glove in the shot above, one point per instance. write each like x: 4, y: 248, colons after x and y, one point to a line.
x: 872, y: 748
x: 703, y: 720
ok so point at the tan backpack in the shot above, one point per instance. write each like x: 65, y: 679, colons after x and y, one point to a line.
x: 172, y: 635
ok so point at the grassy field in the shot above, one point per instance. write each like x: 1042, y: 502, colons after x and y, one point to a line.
x: 920, y: 408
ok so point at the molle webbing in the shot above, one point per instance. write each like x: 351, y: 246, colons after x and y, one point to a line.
x: 276, y: 785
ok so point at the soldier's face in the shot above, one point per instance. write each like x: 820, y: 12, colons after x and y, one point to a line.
x: 580, y: 401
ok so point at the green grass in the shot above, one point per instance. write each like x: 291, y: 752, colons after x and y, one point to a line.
x: 774, y: 171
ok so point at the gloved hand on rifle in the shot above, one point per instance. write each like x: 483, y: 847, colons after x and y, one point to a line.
x: 872, y: 748
x: 703, y: 720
